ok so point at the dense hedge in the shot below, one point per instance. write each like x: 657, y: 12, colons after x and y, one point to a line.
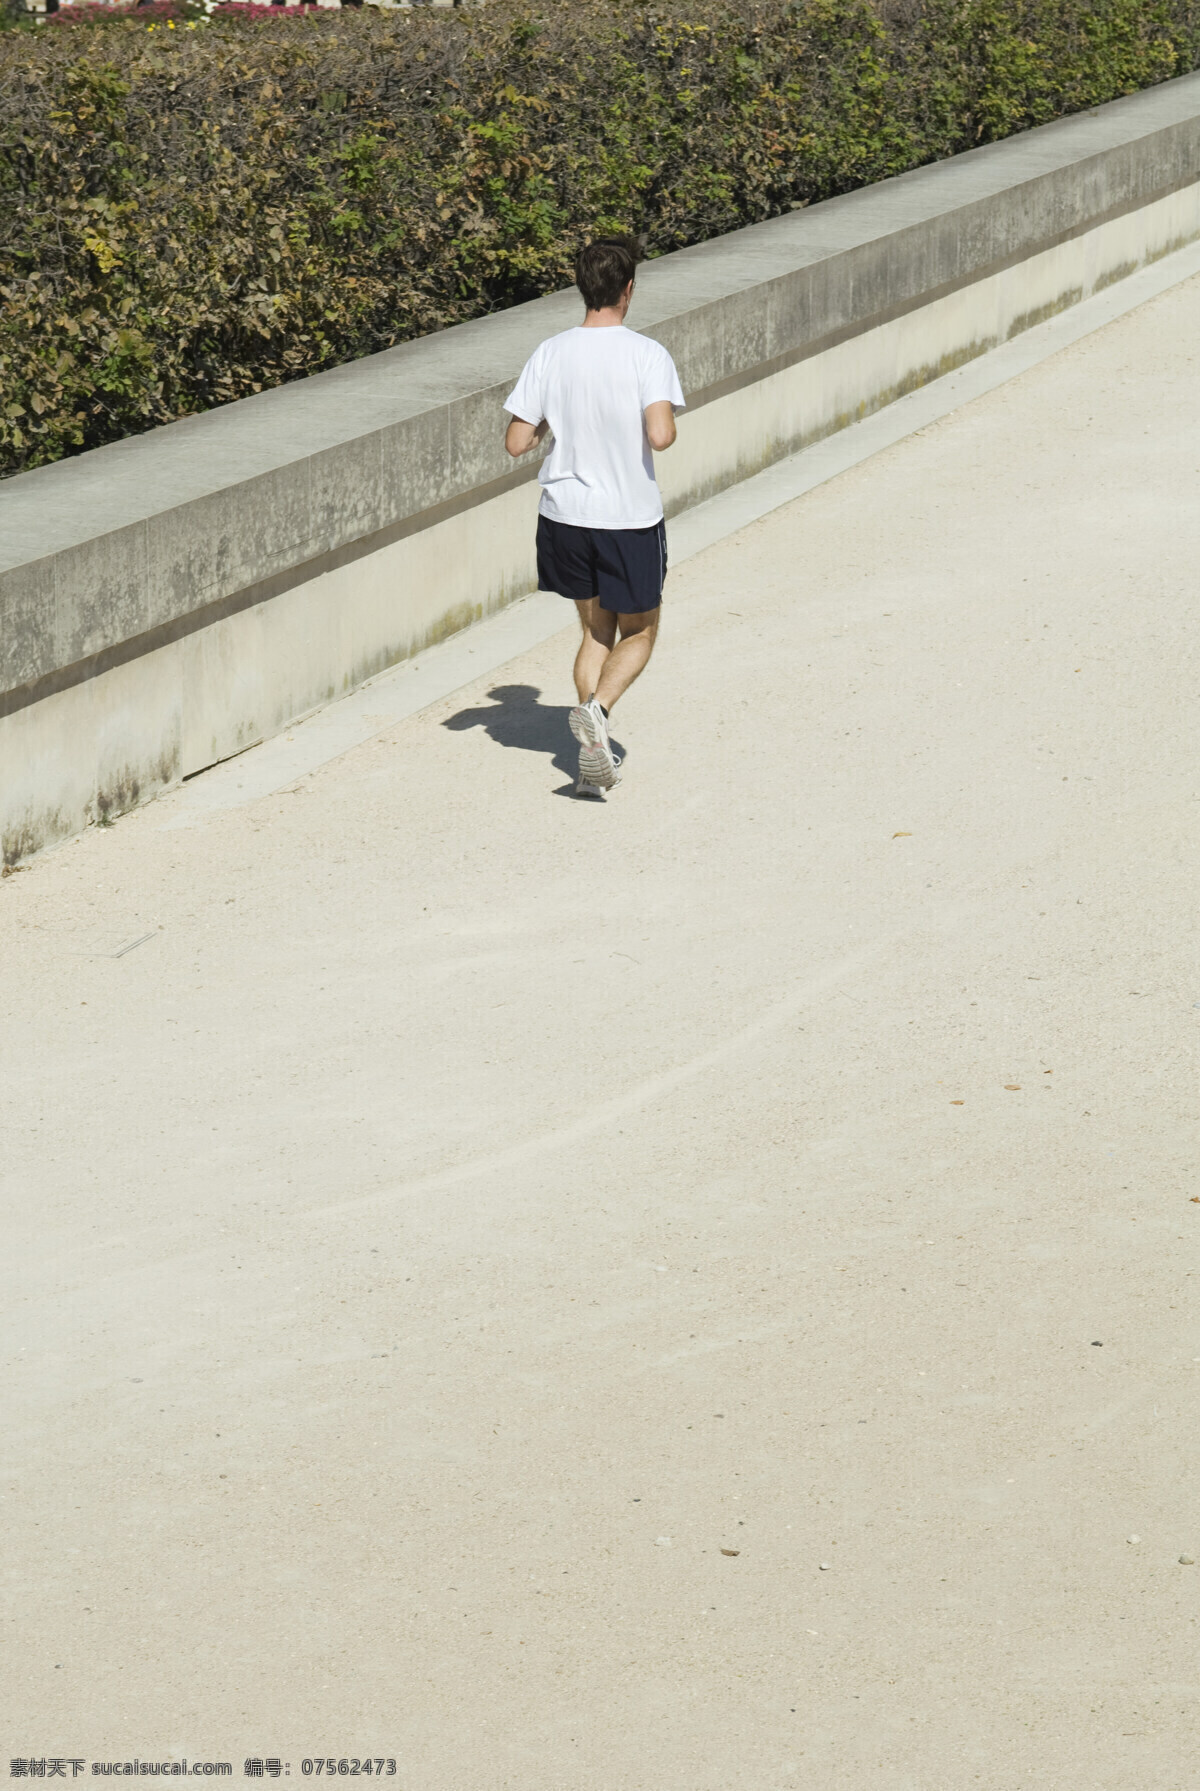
x: 192, y: 212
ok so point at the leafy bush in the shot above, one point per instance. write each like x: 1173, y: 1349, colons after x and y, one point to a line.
x: 191, y: 211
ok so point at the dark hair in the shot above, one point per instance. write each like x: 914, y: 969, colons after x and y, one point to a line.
x: 604, y: 269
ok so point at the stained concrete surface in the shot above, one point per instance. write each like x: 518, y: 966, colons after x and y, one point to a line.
x: 470, y: 1213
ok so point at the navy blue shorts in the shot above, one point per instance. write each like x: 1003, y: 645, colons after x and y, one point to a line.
x: 624, y: 568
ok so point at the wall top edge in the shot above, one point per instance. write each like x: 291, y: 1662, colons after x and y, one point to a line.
x: 52, y: 509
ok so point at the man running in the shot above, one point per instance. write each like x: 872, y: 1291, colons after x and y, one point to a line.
x: 607, y: 396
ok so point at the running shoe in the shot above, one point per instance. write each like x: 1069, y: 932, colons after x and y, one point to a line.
x: 596, y: 762
x: 585, y: 787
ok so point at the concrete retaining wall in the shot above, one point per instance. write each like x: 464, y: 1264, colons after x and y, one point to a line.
x: 167, y: 601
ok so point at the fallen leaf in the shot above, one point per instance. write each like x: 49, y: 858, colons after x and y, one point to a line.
x: 958, y: 1103
x: 731, y: 1551
x: 1196, y: 1199
x: 1013, y: 1087
x: 902, y: 836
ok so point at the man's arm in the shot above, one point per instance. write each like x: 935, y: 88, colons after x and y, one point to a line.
x: 520, y: 436
x: 660, y: 424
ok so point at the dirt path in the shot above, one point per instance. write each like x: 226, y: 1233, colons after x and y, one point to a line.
x: 691, y: 1295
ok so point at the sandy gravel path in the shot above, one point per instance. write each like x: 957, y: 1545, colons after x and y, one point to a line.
x: 696, y: 1294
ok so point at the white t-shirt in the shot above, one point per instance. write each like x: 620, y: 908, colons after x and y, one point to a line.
x: 592, y: 387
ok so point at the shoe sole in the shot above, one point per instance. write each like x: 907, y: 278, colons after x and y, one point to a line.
x: 596, y: 762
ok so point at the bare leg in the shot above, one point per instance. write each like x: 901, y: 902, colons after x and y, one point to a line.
x: 629, y: 658
x: 599, y: 633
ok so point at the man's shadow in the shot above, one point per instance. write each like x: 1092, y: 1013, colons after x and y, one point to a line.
x: 515, y: 717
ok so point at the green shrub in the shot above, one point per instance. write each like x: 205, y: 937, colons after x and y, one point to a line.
x: 191, y: 212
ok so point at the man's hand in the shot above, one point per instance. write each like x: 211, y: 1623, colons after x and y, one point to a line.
x: 520, y: 436
x: 660, y: 424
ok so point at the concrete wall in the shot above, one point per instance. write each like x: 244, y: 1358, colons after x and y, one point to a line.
x: 167, y: 601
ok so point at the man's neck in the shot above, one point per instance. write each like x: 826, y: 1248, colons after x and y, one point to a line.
x: 607, y: 319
